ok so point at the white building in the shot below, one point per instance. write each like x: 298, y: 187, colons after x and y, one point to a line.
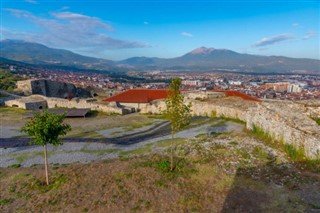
x: 293, y: 88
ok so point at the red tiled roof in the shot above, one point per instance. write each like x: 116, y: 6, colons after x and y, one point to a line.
x: 237, y: 94
x: 139, y: 96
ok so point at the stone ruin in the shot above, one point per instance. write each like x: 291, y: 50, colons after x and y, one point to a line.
x: 50, y: 88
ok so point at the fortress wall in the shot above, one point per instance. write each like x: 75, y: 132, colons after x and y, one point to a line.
x: 283, y: 126
x: 287, y: 123
x: 51, y: 88
x: 81, y: 103
x: 25, y: 86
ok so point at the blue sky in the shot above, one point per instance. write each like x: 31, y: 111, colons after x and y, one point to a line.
x: 120, y: 29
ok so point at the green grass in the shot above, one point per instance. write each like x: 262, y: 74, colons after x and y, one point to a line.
x: 12, y: 110
x: 5, y: 201
x: 23, y: 156
x: 15, y: 166
x: 167, y: 142
x: 140, y: 151
x: 182, y: 167
x: 295, y: 154
x: 235, y: 120
x: 99, y: 152
x: 156, y: 116
x: 317, y: 120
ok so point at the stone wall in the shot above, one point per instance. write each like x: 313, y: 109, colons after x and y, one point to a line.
x: 286, y: 124
x: 203, y: 95
x: 284, y: 121
x: 83, y: 103
x: 51, y: 89
x: 27, y: 103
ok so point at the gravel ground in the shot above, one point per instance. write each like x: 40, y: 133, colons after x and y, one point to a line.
x: 121, y: 131
x: 87, y: 152
x: 9, y: 132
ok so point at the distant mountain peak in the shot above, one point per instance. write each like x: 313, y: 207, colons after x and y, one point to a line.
x: 202, y: 50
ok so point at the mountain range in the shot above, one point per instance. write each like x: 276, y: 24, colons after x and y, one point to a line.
x: 200, y: 59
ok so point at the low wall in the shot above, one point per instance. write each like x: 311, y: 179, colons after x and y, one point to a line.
x: 82, y: 103
x: 285, y: 122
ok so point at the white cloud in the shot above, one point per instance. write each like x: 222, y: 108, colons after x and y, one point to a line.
x: 272, y: 40
x: 71, y: 30
x: 186, y: 34
x: 309, y: 35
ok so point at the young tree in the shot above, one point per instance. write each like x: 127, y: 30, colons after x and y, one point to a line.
x: 177, y: 112
x: 46, y: 128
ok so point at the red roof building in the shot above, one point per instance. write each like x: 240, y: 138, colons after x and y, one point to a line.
x: 138, y: 96
x: 237, y: 94
x: 148, y: 95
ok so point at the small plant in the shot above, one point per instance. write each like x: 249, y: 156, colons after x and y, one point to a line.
x: 177, y: 112
x: 46, y: 128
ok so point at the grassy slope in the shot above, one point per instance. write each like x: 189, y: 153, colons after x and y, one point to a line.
x: 226, y: 176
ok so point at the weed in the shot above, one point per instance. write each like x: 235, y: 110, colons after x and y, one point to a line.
x: 85, y: 210
x: 160, y: 183
x: 233, y: 143
x: 213, y: 114
x: 296, y: 154
x: 15, y: 166
x: 163, y: 166
x: 235, y: 120
x: 5, y: 201
x: 316, y: 119
x: 259, y: 152
x: 23, y: 195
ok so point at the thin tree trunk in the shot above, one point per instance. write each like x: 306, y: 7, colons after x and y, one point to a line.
x: 46, y: 163
x: 171, y: 157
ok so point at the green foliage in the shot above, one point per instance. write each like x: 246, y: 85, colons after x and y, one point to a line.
x: 8, y: 80
x: 317, y: 120
x: 46, y: 128
x: 178, y: 113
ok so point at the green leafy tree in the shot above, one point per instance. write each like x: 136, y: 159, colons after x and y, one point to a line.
x: 177, y: 112
x: 46, y: 128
